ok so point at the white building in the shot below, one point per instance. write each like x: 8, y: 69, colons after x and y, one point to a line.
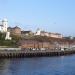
x: 38, y: 32
x: 48, y: 34
x: 55, y: 35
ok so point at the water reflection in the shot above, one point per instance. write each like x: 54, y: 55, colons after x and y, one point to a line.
x: 4, y: 66
x: 63, y: 65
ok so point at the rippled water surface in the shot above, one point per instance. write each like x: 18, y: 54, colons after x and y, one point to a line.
x: 62, y: 65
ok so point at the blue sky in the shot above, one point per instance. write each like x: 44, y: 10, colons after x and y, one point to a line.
x: 49, y: 15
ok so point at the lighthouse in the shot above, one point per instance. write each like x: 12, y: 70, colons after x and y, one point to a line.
x: 4, y: 25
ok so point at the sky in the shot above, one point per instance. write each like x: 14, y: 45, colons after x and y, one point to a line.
x: 49, y: 15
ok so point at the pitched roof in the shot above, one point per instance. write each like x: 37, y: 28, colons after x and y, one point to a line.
x: 24, y: 32
x: 16, y: 27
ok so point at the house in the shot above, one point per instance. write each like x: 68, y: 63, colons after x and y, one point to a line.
x: 55, y: 35
x: 15, y: 30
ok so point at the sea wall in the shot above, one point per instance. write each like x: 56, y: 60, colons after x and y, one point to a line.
x: 25, y: 53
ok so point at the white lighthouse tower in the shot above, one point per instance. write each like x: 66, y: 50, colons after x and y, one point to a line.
x: 4, y: 25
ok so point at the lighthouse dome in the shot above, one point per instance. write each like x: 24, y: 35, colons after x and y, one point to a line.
x: 4, y: 20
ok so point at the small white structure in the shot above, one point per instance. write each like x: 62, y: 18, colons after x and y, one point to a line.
x: 62, y: 49
x: 38, y: 32
x: 8, y: 36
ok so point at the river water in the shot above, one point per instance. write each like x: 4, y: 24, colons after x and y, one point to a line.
x: 60, y: 65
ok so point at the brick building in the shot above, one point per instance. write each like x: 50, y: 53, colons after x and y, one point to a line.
x: 15, y: 30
